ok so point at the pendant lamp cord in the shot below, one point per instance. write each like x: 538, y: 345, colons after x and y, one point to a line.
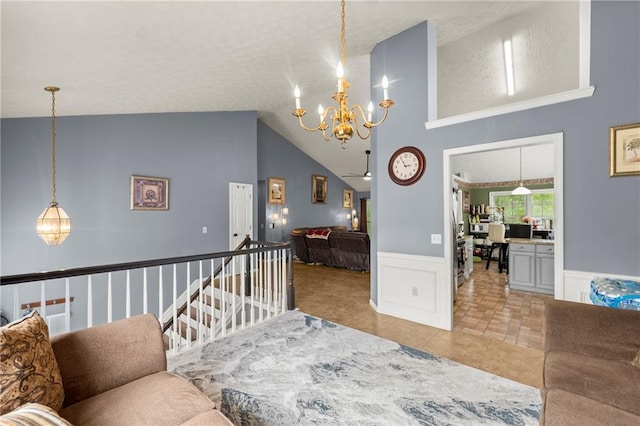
x: 342, y: 32
x: 53, y: 147
x: 520, y: 166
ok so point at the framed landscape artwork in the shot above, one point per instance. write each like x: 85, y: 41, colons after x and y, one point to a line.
x: 624, y: 150
x: 149, y: 193
x: 277, y: 191
x: 347, y: 198
x: 318, y: 189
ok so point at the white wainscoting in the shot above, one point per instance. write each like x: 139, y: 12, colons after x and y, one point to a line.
x: 415, y: 288
x: 576, y: 284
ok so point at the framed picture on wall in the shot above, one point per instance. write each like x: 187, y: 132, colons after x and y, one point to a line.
x: 465, y: 201
x: 347, y: 198
x: 318, y: 189
x: 277, y: 191
x: 624, y: 150
x: 149, y: 193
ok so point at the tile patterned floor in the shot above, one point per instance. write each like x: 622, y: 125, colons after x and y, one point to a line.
x: 342, y: 296
x: 485, y: 306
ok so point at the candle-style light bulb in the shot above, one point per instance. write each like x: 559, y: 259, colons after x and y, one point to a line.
x: 385, y: 86
x: 369, y: 111
x: 320, y: 111
x: 296, y: 93
x: 340, y: 74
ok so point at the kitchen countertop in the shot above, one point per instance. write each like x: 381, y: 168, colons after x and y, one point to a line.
x: 535, y: 241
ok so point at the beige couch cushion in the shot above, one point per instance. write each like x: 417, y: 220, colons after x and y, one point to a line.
x: 209, y: 418
x: 562, y: 408
x: 158, y: 399
x: 610, y: 382
x: 28, y: 369
x: 106, y: 356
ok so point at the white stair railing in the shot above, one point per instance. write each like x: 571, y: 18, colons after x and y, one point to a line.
x: 249, y: 286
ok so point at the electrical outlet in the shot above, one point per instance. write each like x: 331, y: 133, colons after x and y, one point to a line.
x: 436, y: 239
x: 414, y: 291
x: 204, y: 229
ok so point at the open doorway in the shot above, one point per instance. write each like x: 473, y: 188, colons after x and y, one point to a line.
x: 553, y: 144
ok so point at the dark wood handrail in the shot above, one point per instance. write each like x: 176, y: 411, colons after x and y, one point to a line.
x: 91, y: 270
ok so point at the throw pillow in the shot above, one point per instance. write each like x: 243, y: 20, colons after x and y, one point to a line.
x: 636, y: 360
x: 28, y: 368
x: 33, y: 415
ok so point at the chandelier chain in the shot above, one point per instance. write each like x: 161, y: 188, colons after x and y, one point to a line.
x: 342, y: 35
x: 53, y: 147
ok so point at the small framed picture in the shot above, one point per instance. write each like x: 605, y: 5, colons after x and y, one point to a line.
x: 277, y: 191
x: 318, y: 189
x: 465, y: 201
x: 149, y: 193
x: 347, y: 198
x: 624, y: 150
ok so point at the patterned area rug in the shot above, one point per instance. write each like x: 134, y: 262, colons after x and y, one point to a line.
x: 298, y: 369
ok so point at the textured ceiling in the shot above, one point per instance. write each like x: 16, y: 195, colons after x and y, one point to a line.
x: 537, y: 163
x: 149, y: 57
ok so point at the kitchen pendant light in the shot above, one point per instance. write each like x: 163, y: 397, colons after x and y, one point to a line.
x: 53, y: 225
x: 521, y: 190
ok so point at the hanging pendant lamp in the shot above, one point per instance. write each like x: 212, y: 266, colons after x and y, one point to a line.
x: 53, y: 225
x: 521, y: 190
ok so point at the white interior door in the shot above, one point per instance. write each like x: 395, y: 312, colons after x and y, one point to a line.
x: 240, y: 213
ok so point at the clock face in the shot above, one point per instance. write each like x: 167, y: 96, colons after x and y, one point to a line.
x: 407, y: 165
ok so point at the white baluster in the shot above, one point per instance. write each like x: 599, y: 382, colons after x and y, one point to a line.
x: 269, y: 272
x: 109, y: 299
x: 89, y: 301
x: 223, y: 297
x: 67, y: 306
x: 43, y: 301
x: 188, y: 306
x: 243, y: 266
x: 160, y: 294
x: 252, y: 261
x: 176, y: 327
x: 128, y: 295
x: 234, y: 295
x: 212, y: 301
x: 283, y: 287
x: 201, y: 316
x: 261, y: 278
x: 145, y: 292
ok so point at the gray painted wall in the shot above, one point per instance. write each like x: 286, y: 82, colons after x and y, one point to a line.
x: 602, y: 214
x: 277, y: 157
x: 200, y: 153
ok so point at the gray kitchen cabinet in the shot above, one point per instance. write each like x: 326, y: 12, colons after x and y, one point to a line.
x: 531, y: 267
x: 545, y: 270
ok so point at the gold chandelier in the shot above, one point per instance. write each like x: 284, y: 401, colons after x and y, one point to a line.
x: 343, y: 118
x: 53, y: 225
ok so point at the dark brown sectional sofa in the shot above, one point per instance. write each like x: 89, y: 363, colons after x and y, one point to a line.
x: 591, y: 365
x: 332, y: 246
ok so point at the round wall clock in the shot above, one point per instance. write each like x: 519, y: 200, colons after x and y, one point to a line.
x: 407, y: 165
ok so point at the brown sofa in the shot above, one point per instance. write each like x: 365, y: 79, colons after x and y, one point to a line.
x: 115, y: 374
x: 341, y: 248
x: 591, y: 365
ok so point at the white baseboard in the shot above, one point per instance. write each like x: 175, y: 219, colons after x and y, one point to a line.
x: 373, y: 305
x: 576, y: 284
x: 415, y: 288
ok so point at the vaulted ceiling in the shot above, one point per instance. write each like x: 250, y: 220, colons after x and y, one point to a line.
x: 150, y: 57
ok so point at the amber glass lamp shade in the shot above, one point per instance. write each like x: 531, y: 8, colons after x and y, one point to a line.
x: 53, y: 225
